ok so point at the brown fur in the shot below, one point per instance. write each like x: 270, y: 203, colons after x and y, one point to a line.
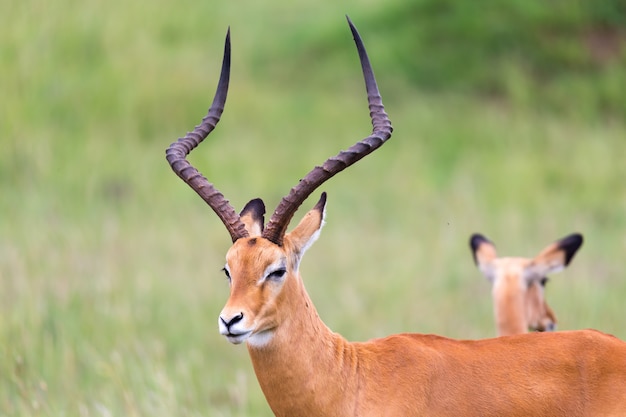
x: 518, y: 283
x: 305, y: 369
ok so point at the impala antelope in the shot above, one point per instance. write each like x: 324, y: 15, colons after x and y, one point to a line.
x: 304, y: 369
x: 518, y: 284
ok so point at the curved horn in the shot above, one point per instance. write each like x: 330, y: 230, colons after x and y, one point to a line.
x: 177, y: 152
x: 277, y: 226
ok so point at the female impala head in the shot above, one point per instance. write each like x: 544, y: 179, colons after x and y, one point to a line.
x: 518, y: 284
x: 262, y: 265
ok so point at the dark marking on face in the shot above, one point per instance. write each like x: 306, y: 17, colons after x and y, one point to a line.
x: 252, y: 241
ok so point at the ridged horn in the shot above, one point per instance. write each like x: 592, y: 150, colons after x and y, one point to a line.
x: 277, y: 226
x: 177, y: 152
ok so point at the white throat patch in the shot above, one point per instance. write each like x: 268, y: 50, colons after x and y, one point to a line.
x: 261, y: 339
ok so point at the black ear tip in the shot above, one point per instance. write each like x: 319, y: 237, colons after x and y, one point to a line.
x: 255, y: 207
x: 570, y: 245
x: 476, y: 240
x: 322, y: 202
x: 574, y: 240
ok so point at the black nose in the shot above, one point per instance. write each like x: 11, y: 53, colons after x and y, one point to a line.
x: 232, y: 321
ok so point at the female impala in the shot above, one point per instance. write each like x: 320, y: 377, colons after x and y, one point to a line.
x: 518, y: 283
x: 305, y: 369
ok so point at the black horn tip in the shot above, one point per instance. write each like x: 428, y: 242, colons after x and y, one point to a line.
x: 353, y: 29
x: 227, y: 42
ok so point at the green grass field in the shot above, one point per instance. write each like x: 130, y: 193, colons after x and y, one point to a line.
x: 110, y: 265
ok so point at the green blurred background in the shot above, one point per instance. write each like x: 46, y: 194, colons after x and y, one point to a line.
x: 509, y: 121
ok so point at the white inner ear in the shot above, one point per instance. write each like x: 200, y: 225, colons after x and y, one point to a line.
x: 255, y: 229
x: 300, y: 233
x: 313, y: 237
x: 488, y: 271
x: 307, y: 245
x: 539, y: 270
x: 534, y: 273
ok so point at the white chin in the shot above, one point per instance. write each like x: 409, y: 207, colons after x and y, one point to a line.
x: 260, y: 339
x: 238, y: 339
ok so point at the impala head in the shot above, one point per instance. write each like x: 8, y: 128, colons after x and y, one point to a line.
x: 518, y: 284
x: 263, y: 276
x: 262, y: 265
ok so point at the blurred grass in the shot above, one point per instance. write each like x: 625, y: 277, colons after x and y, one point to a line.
x: 109, y: 265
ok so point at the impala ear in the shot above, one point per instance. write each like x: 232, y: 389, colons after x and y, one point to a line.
x: 570, y: 245
x: 252, y: 217
x: 483, y: 252
x: 557, y: 256
x: 309, y: 228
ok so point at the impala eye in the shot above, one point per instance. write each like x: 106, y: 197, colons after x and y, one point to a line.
x: 226, y: 273
x: 543, y: 281
x: 277, y: 275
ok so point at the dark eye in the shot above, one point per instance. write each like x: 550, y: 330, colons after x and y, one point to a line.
x: 277, y: 275
x: 543, y: 281
x: 226, y: 273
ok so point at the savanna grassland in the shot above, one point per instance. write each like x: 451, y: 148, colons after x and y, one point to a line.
x: 508, y: 121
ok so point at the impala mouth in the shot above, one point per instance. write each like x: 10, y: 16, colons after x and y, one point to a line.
x: 237, y: 338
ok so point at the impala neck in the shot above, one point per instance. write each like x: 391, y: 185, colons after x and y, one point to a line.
x: 509, y: 308
x: 305, y: 366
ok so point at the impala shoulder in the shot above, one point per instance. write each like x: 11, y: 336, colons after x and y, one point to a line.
x: 417, y: 345
x: 593, y: 335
